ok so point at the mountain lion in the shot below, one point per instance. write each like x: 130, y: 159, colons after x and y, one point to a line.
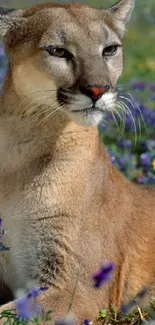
x: 66, y: 208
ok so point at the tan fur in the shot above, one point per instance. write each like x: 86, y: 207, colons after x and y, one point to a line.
x: 66, y: 208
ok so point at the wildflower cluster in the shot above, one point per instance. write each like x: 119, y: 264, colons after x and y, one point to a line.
x: 28, y: 307
x: 134, y: 151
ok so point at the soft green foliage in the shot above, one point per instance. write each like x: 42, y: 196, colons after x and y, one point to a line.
x: 11, y: 318
x: 114, y: 317
x: 140, y: 5
x: 139, y: 54
x: 106, y: 316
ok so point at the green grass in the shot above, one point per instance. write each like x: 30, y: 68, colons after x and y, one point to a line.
x: 139, y: 57
x: 106, y: 316
x: 10, y: 317
x: 114, y: 317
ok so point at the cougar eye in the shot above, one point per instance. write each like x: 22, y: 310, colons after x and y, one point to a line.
x: 110, y: 50
x: 59, y: 52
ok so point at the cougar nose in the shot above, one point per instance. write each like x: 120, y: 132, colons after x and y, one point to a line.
x: 94, y: 91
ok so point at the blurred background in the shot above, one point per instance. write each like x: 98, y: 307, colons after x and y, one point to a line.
x: 130, y: 135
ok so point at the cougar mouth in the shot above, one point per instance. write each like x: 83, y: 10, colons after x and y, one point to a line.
x: 89, y: 109
x: 84, y: 110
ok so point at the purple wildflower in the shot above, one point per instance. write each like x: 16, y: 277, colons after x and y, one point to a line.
x: 2, y: 74
x: 146, y: 159
x: 86, y: 322
x: 113, y: 157
x: 152, y: 87
x: 42, y: 289
x: 2, y: 52
x: 103, y: 275
x: 151, y: 179
x: 28, y: 307
x: 142, y: 180
x: 125, y: 144
x: 128, y: 308
x: 34, y: 293
x: 139, y: 86
x: 122, y: 164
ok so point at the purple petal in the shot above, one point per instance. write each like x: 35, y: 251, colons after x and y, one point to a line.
x: 86, y: 322
x: 146, y: 159
x: 28, y: 307
x: 43, y: 289
x: 139, y: 86
x: 132, y: 304
x: 152, y: 87
x: 23, y: 308
x: 142, y: 180
x: 35, y: 292
x: 103, y: 275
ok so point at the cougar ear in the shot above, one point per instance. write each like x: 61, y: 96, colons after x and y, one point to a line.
x: 123, y: 10
x: 9, y: 20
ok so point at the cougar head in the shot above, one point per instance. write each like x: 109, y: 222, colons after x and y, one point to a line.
x: 67, y: 57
